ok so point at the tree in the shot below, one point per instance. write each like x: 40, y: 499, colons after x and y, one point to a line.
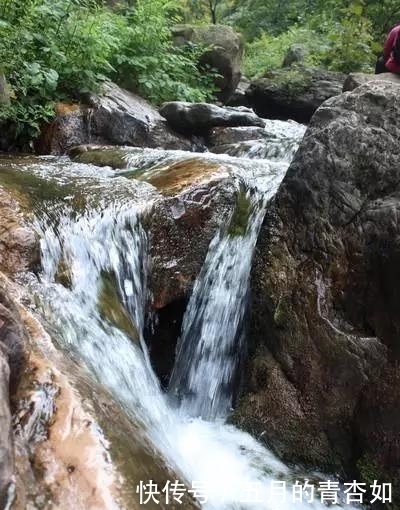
x: 213, y: 4
x: 205, y: 10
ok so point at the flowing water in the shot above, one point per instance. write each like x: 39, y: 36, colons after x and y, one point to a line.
x: 212, y: 343
x: 95, y: 253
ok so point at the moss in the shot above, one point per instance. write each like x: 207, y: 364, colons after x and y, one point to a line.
x: 35, y: 189
x: 370, y: 470
x: 115, y: 158
x: 112, y: 309
x: 282, y: 312
x: 63, y: 274
x: 240, y: 218
x: 294, y: 80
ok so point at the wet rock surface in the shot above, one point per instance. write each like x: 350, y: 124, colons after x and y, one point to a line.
x: 116, y: 117
x: 68, y: 444
x: 182, y: 225
x: 13, y: 357
x: 322, y: 381
x: 18, y: 243
x: 199, y: 118
x: 293, y: 93
x: 231, y: 135
x: 6, y: 448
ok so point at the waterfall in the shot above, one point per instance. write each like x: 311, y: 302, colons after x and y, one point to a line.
x: 92, y: 293
x: 102, y: 254
x: 210, y: 348
x: 106, y: 248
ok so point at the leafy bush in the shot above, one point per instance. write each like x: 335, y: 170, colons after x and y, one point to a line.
x: 344, y: 44
x: 148, y: 62
x: 350, y: 41
x: 55, y: 50
x: 267, y: 53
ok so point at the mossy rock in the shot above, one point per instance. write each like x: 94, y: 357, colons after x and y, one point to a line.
x: 113, y: 310
x: 293, y: 80
x: 113, y: 157
x: 240, y: 218
x: 370, y: 470
x: 282, y: 312
x: 63, y: 274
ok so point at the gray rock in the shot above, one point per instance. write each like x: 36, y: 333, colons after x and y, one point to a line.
x: 293, y: 93
x: 115, y: 117
x: 224, y: 52
x: 6, y: 445
x: 354, y: 80
x: 322, y: 387
x: 199, y: 118
x: 230, y: 135
x: 295, y: 54
x: 239, y: 98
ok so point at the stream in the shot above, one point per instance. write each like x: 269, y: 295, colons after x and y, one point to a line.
x: 98, y: 247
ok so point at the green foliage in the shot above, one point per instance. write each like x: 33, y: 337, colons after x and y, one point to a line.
x: 268, y: 52
x: 206, y: 11
x: 338, y: 40
x: 349, y: 42
x: 240, y: 217
x: 56, y: 50
x: 148, y: 62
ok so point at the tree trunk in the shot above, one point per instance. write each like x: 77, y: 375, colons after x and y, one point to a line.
x: 4, y: 95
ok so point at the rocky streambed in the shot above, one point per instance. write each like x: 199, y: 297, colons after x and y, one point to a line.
x: 115, y: 259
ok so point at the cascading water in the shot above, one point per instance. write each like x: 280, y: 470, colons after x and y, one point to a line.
x: 211, y: 345
x: 100, y: 253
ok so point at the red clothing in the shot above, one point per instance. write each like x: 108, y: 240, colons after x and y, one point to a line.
x: 390, y: 64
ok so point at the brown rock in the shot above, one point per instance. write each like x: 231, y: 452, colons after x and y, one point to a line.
x: 18, y: 242
x: 182, y: 225
x: 13, y: 355
x: 114, y: 117
x: 6, y: 448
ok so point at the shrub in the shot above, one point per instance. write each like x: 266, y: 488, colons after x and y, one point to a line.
x: 55, y: 50
x: 267, y: 53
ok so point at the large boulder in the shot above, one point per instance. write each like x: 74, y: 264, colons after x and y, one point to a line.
x: 191, y: 196
x: 354, y: 80
x: 114, y: 117
x: 293, y: 93
x: 322, y: 385
x: 199, y: 118
x: 223, y: 52
x: 183, y: 224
